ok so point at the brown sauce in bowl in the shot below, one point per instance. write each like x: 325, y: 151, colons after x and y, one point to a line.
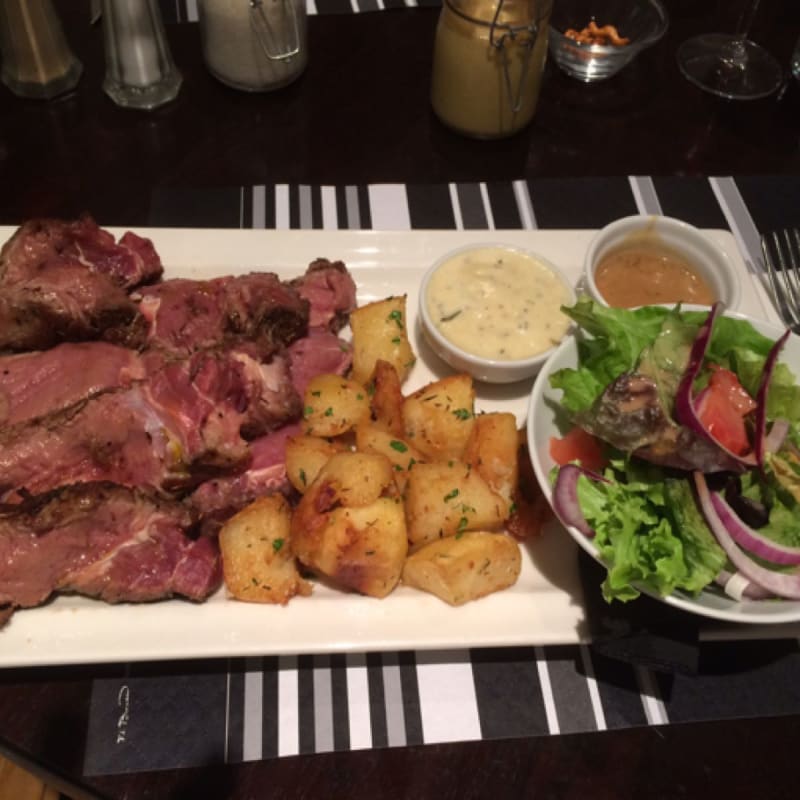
x: 644, y: 274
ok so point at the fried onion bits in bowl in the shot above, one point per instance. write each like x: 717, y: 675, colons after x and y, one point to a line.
x: 593, y: 40
x: 670, y: 509
x: 494, y: 311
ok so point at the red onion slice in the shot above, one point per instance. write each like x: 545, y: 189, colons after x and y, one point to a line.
x: 565, y: 497
x: 761, y: 398
x: 774, y: 440
x: 738, y: 587
x: 684, y: 403
x: 751, y: 540
x: 780, y: 583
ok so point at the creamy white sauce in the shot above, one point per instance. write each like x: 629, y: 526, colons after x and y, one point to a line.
x: 498, y: 303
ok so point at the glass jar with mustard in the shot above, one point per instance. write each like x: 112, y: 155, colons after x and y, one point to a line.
x: 488, y: 61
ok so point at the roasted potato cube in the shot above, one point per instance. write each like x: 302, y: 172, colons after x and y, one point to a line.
x: 438, y: 418
x: 352, y: 479
x: 387, y: 399
x: 305, y: 457
x: 403, y: 456
x: 446, y: 498
x: 492, y: 450
x: 258, y: 564
x: 380, y: 333
x: 333, y: 405
x: 465, y: 567
x: 360, y: 548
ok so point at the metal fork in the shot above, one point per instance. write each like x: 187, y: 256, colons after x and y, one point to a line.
x: 781, y: 251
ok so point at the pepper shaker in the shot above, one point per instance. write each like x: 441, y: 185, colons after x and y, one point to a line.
x: 37, y: 61
x: 140, y: 72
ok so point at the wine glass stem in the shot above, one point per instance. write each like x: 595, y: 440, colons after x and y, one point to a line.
x: 746, y: 19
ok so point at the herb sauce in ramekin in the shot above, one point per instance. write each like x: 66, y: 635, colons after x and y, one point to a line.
x: 498, y: 303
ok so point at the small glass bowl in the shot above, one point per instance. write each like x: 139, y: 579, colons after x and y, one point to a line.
x: 644, y: 22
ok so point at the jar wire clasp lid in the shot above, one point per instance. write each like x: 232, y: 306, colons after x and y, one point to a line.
x: 510, y: 33
x: 280, y: 42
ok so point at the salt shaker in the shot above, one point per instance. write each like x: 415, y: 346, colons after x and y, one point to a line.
x: 37, y: 60
x: 254, y: 45
x: 140, y: 72
x: 488, y: 61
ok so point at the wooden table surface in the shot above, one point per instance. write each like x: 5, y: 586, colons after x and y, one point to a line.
x: 360, y: 114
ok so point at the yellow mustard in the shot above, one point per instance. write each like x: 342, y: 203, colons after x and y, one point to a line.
x: 488, y: 60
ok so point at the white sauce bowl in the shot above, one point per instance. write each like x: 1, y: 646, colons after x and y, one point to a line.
x: 710, y: 261
x: 481, y: 367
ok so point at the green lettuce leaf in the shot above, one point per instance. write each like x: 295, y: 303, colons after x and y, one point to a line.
x: 619, y: 339
x: 649, y: 532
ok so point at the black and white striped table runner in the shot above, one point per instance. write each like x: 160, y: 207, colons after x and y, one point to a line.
x: 163, y: 716
x: 186, y: 10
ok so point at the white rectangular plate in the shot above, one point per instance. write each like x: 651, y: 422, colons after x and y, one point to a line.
x: 544, y: 607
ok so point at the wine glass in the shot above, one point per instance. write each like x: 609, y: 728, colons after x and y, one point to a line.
x: 731, y: 65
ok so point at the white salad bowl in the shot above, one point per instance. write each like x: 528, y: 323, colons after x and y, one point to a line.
x: 542, y: 425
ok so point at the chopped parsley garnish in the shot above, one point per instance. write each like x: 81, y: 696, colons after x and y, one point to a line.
x: 399, y: 446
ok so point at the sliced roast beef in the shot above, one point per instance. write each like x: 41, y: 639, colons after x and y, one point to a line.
x: 39, y: 383
x: 219, y: 499
x: 63, y: 301
x: 187, y: 421
x: 319, y: 352
x: 105, y: 541
x: 128, y: 263
x: 330, y: 291
x: 118, y: 437
x: 186, y: 315
x: 216, y: 398
x: 69, y: 281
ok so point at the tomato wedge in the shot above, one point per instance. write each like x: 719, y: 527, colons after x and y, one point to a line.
x: 578, y: 445
x: 722, y: 407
